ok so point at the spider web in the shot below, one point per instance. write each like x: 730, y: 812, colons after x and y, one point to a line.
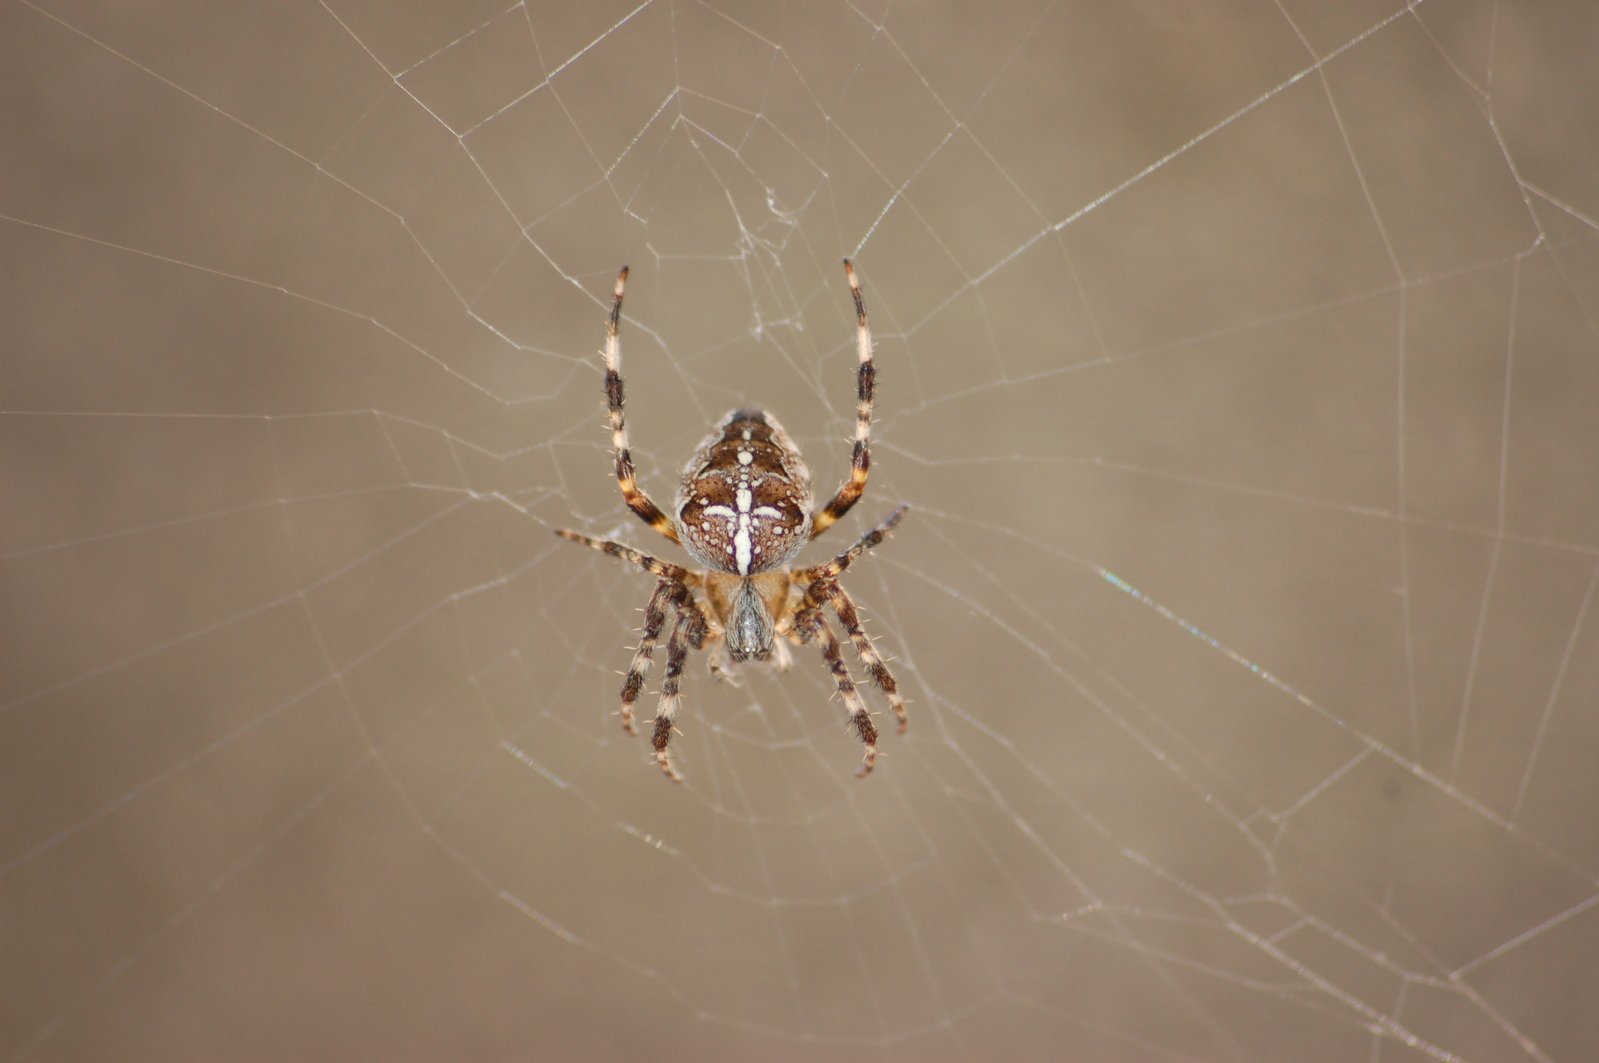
x: 1237, y: 361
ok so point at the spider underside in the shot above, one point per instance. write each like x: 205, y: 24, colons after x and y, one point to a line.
x: 743, y: 509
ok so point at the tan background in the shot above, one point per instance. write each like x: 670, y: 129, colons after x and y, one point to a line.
x: 1238, y: 360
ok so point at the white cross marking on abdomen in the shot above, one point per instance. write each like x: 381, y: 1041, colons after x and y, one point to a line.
x: 741, y: 537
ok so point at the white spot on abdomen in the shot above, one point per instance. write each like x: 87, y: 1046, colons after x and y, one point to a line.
x: 741, y: 546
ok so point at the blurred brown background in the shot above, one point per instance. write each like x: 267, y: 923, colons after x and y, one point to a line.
x: 1238, y: 360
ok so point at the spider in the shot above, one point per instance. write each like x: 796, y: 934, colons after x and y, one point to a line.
x: 743, y: 509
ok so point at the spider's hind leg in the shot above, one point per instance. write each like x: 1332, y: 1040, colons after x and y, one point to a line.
x: 626, y: 476
x: 865, y: 388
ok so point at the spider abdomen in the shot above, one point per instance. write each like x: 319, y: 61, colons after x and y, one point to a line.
x: 745, y: 502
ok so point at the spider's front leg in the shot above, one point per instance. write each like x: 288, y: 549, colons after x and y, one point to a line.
x: 810, y: 625
x: 688, y: 630
x: 829, y: 590
x: 672, y: 588
x: 654, y: 620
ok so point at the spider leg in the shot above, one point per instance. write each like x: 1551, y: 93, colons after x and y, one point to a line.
x: 844, y: 606
x: 865, y: 381
x: 654, y: 620
x: 632, y: 494
x: 652, y: 565
x: 833, y: 568
x: 811, y: 625
x: 688, y: 628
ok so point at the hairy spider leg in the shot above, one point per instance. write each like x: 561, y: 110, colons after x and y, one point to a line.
x: 653, y: 565
x: 688, y: 630
x: 865, y: 382
x: 673, y: 590
x: 811, y: 625
x: 626, y: 478
x: 654, y: 620
x: 829, y: 590
x: 832, y: 569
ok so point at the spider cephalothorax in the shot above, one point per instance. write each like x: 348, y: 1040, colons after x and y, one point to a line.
x: 743, y: 510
